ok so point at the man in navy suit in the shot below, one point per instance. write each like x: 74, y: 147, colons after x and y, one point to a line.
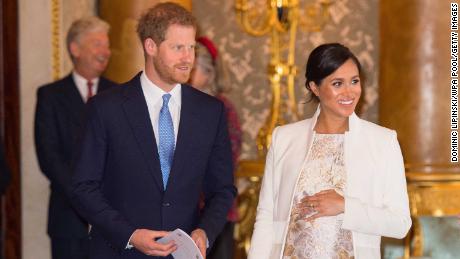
x: 150, y: 149
x: 59, y: 111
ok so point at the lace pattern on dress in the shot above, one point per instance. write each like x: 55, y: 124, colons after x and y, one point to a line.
x: 324, y: 237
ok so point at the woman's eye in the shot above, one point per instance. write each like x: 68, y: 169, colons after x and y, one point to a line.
x: 355, y: 81
x: 337, y: 84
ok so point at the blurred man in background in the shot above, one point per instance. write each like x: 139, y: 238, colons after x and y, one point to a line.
x: 59, y: 111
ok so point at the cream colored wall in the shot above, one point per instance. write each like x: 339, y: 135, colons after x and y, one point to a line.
x: 35, y: 55
x: 35, y: 69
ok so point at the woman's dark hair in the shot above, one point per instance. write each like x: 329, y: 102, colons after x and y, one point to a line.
x: 324, y: 60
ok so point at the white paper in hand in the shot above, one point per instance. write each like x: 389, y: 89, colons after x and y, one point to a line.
x: 186, y: 247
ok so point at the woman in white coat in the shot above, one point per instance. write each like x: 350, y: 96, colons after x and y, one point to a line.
x: 333, y: 184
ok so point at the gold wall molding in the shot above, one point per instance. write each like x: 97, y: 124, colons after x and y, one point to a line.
x: 56, y: 39
x: 433, y: 195
x: 63, y: 14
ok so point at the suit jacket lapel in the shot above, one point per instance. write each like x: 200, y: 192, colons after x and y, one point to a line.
x: 184, y: 135
x: 72, y: 100
x: 137, y: 114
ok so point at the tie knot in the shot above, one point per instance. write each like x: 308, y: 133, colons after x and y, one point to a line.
x: 89, y: 83
x: 166, y: 98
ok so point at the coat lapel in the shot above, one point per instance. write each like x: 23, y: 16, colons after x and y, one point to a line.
x: 137, y: 114
x: 296, y: 150
x: 72, y: 100
x: 184, y: 135
x: 356, y: 152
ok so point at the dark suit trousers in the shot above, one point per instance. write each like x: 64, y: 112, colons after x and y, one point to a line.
x: 70, y: 248
x: 224, y: 244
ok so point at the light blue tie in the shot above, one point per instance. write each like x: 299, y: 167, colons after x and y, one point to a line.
x: 166, y: 142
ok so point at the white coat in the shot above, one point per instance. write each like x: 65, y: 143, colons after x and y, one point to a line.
x: 376, y: 201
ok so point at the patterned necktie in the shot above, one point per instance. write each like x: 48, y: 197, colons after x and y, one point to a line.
x: 166, y: 142
x: 90, y: 90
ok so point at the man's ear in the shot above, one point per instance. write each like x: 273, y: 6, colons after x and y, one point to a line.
x: 314, y: 88
x: 150, y: 47
x: 74, y: 49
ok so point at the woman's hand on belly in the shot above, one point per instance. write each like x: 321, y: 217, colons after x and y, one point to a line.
x: 324, y: 203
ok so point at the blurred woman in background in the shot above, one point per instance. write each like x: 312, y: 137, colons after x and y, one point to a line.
x: 205, y: 76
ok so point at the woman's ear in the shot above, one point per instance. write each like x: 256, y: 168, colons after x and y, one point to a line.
x: 314, y: 88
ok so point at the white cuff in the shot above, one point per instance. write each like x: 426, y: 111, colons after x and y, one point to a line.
x: 128, y: 245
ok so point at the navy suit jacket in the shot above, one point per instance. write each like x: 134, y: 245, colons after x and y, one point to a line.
x: 118, y: 183
x: 58, y: 119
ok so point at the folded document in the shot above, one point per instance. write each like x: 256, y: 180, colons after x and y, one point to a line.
x: 186, y: 247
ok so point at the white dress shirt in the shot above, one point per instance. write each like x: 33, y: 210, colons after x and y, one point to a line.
x: 153, y: 96
x: 82, y: 85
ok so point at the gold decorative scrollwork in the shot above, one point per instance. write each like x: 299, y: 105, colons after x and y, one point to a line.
x: 247, y: 203
x: 280, y: 19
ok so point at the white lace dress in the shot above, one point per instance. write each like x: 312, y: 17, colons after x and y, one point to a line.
x: 323, y: 238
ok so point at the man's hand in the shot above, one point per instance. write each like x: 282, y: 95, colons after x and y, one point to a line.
x: 144, y: 241
x: 325, y: 203
x: 200, y: 238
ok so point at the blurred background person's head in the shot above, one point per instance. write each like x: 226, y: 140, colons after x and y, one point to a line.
x: 208, y: 74
x: 89, y: 47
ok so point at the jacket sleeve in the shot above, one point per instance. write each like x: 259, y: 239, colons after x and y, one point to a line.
x: 219, y: 190
x: 87, y: 194
x: 262, y: 237
x: 392, y: 219
x: 47, y: 143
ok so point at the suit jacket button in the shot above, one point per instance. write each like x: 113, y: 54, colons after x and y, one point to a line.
x: 166, y: 204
